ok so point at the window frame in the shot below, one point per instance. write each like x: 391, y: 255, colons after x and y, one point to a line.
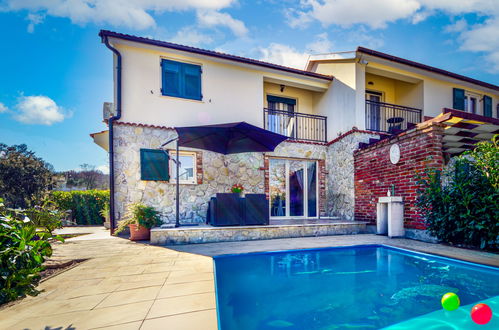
x: 173, y: 156
x: 182, y: 64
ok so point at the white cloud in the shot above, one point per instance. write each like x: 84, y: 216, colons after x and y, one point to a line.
x: 483, y: 38
x: 103, y: 168
x: 212, y: 18
x: 34, y: 19
x: 283, y: 55
x: 371, y: 15
x: 134, y: 14
x: 40, y: 110
x: 3, y: 107
x: 321, y: 45
x: 190, y: 36
x: 289, y: 56
x: 346, y: 13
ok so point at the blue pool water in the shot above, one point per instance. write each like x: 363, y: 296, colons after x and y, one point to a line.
x: 360, y: 287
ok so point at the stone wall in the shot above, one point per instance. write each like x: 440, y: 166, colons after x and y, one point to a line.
x: 374, y: 173
x: 217, y: 172
x: 340, y: 172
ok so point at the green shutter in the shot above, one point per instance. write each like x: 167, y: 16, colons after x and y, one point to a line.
x: 192, y: 81
x: 458, y: 99
x: 154, y: 165
x: 171, y: 78
x: 181, y: 79
x: 487, y: 106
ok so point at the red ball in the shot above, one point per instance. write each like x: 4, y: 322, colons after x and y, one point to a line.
x: 481, y: 314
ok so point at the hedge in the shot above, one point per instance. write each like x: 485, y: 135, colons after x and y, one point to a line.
x: 85, y: 205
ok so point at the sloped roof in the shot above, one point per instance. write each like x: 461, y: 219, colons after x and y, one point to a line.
x: 211, y: 53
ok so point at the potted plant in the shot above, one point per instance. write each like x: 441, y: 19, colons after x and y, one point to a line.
x: 237, y: 189
x: 104, y: 212
x: 140, y: 219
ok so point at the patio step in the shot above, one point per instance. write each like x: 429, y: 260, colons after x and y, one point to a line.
x: 209, y: 234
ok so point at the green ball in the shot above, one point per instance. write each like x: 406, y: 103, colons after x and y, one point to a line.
x: 450, y: 301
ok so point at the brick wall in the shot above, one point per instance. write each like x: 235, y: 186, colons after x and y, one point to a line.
x: 374, y: 173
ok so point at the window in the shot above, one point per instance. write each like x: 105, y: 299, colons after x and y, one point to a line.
x: 187, y: 173
x: 154, y: 165
x: 470, y: 104
x: 181, y: 79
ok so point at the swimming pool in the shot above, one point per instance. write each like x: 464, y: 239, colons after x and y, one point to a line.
x: 358, y: 287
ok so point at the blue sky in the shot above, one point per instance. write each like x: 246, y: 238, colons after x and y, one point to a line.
x: 55, y: 73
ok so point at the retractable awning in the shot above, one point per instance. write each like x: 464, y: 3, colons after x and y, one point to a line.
x: 463, y: 130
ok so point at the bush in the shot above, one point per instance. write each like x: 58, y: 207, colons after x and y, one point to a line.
x: 23, y: 250
x: 46, y: 216
x: 464, y: 208
x: 85, y: 205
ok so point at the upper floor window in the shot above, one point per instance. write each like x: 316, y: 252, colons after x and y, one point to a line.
x: 181, y: 79
x: 469, y: 102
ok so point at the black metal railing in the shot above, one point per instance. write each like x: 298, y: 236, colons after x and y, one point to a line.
x: 390, y: 118
x: 296, y: 125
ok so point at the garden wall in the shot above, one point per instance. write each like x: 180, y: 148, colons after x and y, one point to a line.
x: 374, y: 173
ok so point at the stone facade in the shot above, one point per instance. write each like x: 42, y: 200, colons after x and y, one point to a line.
x: 340, y: 169
x: 216, y: 173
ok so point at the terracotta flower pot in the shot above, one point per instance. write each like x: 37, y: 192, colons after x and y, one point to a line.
x: 139, y: 233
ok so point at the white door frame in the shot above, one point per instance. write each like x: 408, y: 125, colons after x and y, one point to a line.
x: 305, y: 190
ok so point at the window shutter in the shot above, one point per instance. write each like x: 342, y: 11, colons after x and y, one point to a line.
x: 192, y: 81
x: 171, y: 78
x: 487, y: 106
x: 458, y: 99
x: 154, y: 165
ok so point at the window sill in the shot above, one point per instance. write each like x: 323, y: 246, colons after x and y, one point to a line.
x: 180, y: 98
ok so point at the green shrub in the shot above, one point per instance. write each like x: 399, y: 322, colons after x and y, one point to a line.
x: 85, y: 205
x: 23, y: 250
x: 46, y: 216
x: 461, y: 206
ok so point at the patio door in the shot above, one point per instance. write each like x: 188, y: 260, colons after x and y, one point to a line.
x: 373, y: 109
x: 293, y: 188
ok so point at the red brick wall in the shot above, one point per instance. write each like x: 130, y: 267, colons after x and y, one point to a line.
x: 374, y: 173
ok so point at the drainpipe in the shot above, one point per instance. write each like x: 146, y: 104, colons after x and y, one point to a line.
x: 110, y: 122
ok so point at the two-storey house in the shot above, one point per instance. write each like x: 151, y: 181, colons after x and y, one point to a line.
x: 338, y: 101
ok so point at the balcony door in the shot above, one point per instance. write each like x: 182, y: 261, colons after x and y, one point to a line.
x: 373, y: 109
x: 293, y: 187
x: 281, y: 115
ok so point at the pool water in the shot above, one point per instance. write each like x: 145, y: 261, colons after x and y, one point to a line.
x: 360, y: 287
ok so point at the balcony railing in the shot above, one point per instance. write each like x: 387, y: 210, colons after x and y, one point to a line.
x: 390, y: 118
x: 296, y: 125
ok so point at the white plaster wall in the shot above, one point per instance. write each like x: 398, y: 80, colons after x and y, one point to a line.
x: 228, y: 95
x: 338, y: 103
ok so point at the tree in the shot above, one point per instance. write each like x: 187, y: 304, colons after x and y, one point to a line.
x: 24, y: 177
x: 87, y: 178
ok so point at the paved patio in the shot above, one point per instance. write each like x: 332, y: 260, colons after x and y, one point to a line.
x: 127, y: 285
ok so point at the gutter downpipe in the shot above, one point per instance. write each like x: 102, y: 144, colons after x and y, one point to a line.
x: 110, y: 122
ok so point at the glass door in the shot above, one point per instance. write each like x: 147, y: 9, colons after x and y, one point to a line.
x: 293, y: 188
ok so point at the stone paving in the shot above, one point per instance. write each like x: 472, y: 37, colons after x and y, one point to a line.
x: 127, y: 285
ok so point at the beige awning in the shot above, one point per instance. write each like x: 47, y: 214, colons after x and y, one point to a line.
x: 101, y: 139
x: 463, y: 130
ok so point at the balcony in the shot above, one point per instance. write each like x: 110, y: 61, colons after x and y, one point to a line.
x: 296, y: 125
x: 390, y: 118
